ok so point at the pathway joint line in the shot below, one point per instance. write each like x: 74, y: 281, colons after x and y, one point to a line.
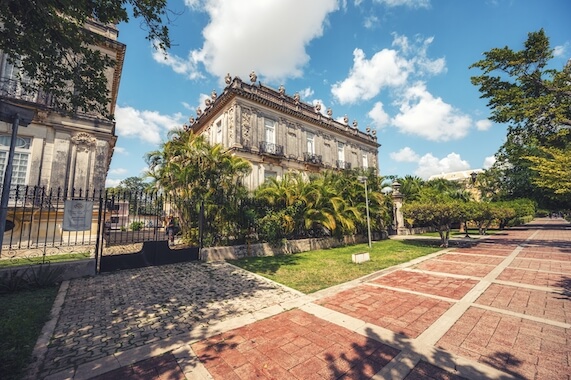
x: 402, y: 290
x: 524, y: 316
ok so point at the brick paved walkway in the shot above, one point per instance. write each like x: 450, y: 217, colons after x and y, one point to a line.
x: 498, y: 310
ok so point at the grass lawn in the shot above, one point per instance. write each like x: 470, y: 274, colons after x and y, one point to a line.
x: 311, y: 271
x: 40, y: 259
x: 22, y: 316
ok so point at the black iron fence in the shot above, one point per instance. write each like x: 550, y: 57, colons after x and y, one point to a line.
x: 44, y: 221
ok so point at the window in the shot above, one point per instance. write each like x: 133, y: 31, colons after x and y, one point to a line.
x: 269, y: 174
x: 365, y: 161
x: 12, y: 80
x: 218, y: 138
x: 21, y: 159
x: 341, y: 151
x: 270, y: 131
x: 310, y: 143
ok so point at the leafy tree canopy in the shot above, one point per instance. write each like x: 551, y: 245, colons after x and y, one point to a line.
x: 47, y: 41
x: 535, y: 100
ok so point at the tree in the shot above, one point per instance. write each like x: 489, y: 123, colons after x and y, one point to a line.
x: 47, y: 41
x: 536, y: 102
x: 553, y: 170
x: 439, y: 213
x: 203, y: 182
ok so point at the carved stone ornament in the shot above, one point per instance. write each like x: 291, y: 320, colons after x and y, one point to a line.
x: 281, y: 90
x: 191, y: 120
x: 199, y: 111
x: 213, y: 95
x: 228, y: 79
x: 253, y: 77
x: 345, y: 119
x: 84, y: 141
x: 208, y: 102
x: 296, y: 97
x: 329, y: 112
x: 355, y: 124
x: 318, y: 107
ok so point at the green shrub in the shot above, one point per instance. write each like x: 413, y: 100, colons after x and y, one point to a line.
x: 136, y: 226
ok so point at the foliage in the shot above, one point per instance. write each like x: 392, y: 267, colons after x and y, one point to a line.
x: 13, y: 262
x: 438, y: 212
x: 553, y: 169
x: 136, y: 226
x: 326, y: 204
x: 205, y: 184
x: 536, y: 102
x: 33, y: 276
x: 319, y: 269
x: 48, y: 42
x: 22, y: 316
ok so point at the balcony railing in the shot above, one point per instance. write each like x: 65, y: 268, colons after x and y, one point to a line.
x: 343, y: 164
x: 270, y: 148
x: 311, y: 158
x: 16, y: 90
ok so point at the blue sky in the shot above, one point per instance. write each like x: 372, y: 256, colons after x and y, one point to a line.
x: 398, y: 66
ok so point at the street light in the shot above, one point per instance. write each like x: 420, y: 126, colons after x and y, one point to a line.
x: 18, y: 116
x: 363, y: 179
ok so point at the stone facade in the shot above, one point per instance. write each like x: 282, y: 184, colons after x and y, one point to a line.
x: 278, y: 133
x: 60, y: 151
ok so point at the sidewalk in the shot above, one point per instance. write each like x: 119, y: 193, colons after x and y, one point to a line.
x: 498, y: 310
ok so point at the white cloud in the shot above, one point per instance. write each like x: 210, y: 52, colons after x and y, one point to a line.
x: 118, y: 171
x: 187, y: 67
x: 423, y: 115
x: 379, y: 116
x: 120, y: 150
x: 368, y: 77
x: 406, y: 154
x: 112, y: 182
x: 371, y: 22
x: 483, y: 125
x: 489, y: 162
x: 306, y: 93
x: 148, y: 126
x: 561, y: 50
x: 407, y: 3
x: 429, y: 165
x: 241, y: 33
x: 388, y: 68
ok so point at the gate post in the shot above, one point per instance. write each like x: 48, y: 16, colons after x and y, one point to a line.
x: 100, y: 234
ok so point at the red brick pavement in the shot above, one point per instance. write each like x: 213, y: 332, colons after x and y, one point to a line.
x: 292, y: 345
x: 474, y: 259
x: 532, y: 277
x: 549, y: 305
x: 542, y: 265
x: 443, y: 286
x: 477, y: 250
x: 532, y: 253
x: 525, y: 348
x: 426, y: 371
x: 467, y: 269
x: 400, y: 312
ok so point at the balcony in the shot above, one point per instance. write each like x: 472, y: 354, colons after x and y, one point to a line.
x: 313, y: 159
x: 343, y: 164
x: 271, y: 149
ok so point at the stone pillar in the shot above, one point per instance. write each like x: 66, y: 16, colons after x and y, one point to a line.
x: 398, y: 219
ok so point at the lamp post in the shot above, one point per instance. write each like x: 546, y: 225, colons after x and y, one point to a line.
x: 18, y: 116
x: 473, y: 176
x: 363, y: 179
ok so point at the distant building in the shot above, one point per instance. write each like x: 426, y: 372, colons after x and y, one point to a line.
x: 461, y: 176
x: 278, y: 133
